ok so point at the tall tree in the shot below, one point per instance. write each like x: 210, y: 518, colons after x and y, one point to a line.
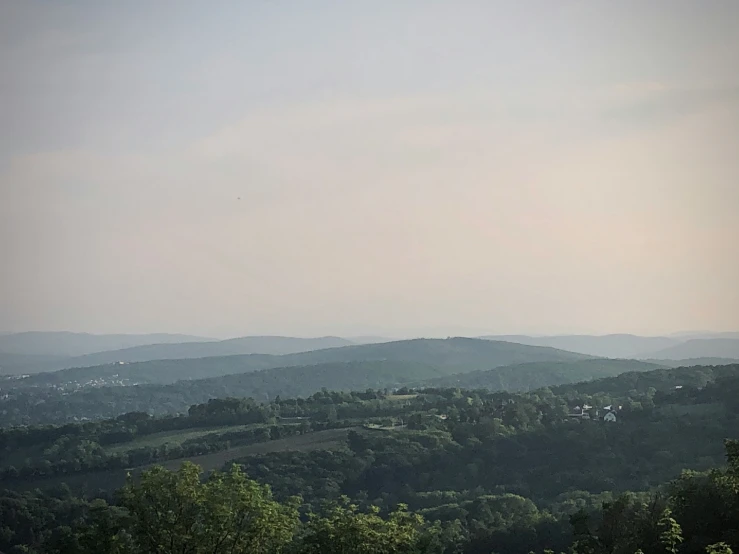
x: 176, y: 513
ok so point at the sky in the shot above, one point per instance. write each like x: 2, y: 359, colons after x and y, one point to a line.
x: 370, y: 167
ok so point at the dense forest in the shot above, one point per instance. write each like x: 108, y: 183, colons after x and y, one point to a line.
x: 449, y: 469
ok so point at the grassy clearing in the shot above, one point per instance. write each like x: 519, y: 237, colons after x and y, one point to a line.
x: 401, y: 397
x: 174, y: 438
x: 331, y: 439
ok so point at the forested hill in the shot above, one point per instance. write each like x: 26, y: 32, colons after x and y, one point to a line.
x: 455, y: 355
x: 659, y: 380
x: 526, y: 377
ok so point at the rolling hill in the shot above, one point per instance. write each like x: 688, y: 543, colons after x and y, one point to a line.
x: 530, y: 376
x: 455, y: 355
x: 13, y: 364
x: 289, y: 382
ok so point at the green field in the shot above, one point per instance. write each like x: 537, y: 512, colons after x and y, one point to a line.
x: 175, y: 438
x: 401, y: 397
x: 331, y: 439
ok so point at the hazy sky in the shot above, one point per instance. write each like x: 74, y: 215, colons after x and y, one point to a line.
x: 316, y: 167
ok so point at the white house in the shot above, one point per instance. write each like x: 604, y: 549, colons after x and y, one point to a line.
x: 610, y: 416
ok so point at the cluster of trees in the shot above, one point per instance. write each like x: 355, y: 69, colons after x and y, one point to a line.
x: 698, y: 513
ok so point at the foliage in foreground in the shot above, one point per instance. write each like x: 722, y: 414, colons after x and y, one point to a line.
x: 179, y: 513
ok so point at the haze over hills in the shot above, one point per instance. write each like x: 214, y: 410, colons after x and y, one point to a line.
x: 700, y: 348
x: 674, y: 347
x: 607, y: 346
x: 689, y: 362
x: 686, y: 335
x: 41, y: 343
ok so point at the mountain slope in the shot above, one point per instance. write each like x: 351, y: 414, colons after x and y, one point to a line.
x: 79, y: 344
x: 607, y: 346
x: 700, y: 348
x: 690, y: 362
x: 455, y: 355
x: 305, y: 380
x: 525, y: 377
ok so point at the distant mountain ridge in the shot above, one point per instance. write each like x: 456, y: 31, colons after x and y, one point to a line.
x: 457, y: 354
x: 35, y: 352
x: 626, y: 346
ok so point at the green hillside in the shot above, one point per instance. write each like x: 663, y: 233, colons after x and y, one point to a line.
x: 662, y: 380
x: 525, y: 377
